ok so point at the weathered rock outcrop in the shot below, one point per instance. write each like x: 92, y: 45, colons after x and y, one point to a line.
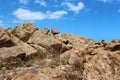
x: 27, y: 53
x: 24, y: 31
x: 5, y: 39
x: 46, y: 41
x: 104, y: 65
x: 11, y: 46
x: 11, y: 52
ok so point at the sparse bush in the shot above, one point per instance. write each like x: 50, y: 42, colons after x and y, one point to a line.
x: 40, y: 54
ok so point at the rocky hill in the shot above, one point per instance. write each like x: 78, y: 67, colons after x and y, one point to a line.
x: 28, y: 53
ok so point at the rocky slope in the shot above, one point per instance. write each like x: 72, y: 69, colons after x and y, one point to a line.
x: 27, y: 53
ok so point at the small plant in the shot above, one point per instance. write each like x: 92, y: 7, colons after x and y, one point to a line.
x: 40, y: 54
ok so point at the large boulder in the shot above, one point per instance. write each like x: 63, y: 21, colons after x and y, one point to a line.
x: 69, y: 57
x: 11, y: 55
x: 54, y: 31
x: 75, y: 41
x: 9, y: 40
x: 113, y: 46
x: 24, y: 31
x: 5, y: 39
x: 72, y: 38
x: 47, y: 41
x: 26, y: 47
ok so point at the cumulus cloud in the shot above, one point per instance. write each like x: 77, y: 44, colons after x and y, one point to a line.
x: 25, y: 14
x: 41, y: 2
x: 24, y: 1
x: 76, y: 8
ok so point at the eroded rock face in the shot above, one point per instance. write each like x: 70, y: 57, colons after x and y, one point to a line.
x: 10, y: 53
x: 24, y: 31
x: 49, y: 42
x: 40, y: 74
x: 9, y: 42
x: 46, y: 41
x: 58, y: 56
x: 26, y: 47
x: 5, y: 39
x: 70, y: 38
x: 113, y: 46
x: 104, y: 65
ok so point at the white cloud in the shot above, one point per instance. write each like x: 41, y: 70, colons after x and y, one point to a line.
x: 105, y: 1
x: 76, y: 8
x: 24, y: 14
x: 56, y: 14
x: 1, y: 23
x: 24, y: 1
x: 41, y: 2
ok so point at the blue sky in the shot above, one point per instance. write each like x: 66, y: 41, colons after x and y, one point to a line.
x: 95, y: 19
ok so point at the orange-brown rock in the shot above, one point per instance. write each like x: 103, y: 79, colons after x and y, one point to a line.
x: 115, y: 41
x: 40, y: 74
x: 9, y: 40
x: 46, y: 41
x: 49, y: 42
x: 5, y: 39
x: 54, y: 31
x: 45, y: 55
x: 24, y: 31
x: 10, y: 53
x: 113, y: 46
x: 26, y: 47
x: 103, y: 65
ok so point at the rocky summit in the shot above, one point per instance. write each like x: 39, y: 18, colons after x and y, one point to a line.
x: 28, y: 53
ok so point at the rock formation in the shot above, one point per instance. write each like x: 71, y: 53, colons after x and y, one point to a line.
x: 28, y: 53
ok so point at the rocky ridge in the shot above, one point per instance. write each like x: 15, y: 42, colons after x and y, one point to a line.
x: 28, y: 53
